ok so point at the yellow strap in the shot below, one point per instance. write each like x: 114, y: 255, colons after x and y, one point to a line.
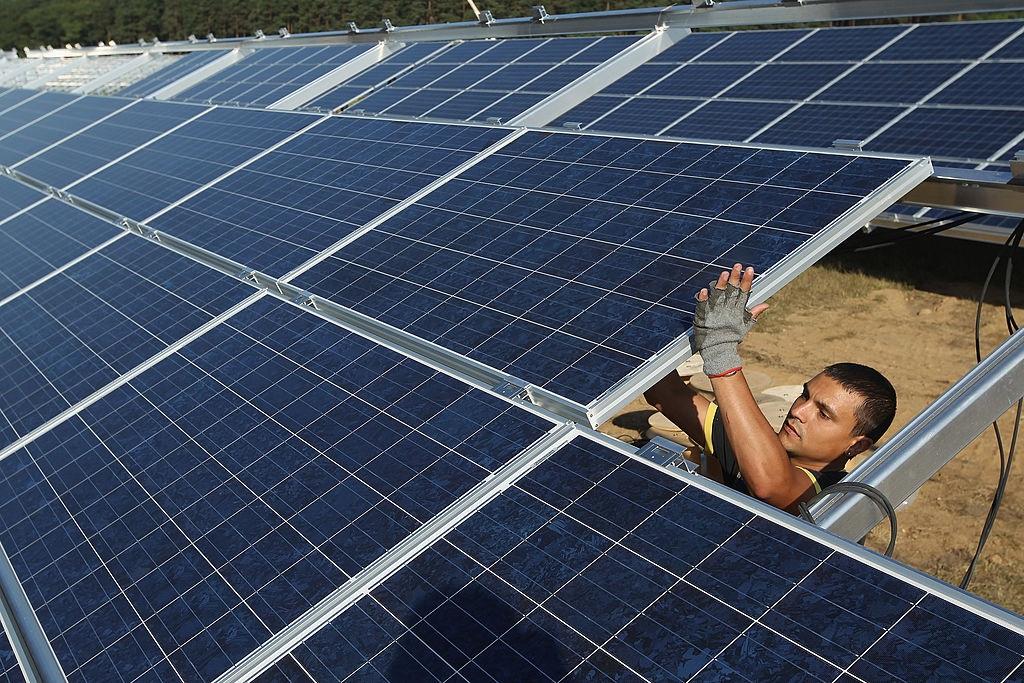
x: 709, y: 419
x: 814, y: 479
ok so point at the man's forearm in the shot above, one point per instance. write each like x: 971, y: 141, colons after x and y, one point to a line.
x: 680, y: 404
x: 762, y: 460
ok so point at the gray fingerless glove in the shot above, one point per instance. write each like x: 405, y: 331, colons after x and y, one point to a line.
x: 720, y: 324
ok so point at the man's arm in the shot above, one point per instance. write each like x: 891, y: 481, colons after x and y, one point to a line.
x: 722, y: 321
x: 680, y: 404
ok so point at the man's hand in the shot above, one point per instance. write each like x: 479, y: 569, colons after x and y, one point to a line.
x: 722, y: 320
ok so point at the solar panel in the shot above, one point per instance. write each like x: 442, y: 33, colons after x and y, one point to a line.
x: 786, y: 81
x: 569, y: 260
x: 31, y: 109
x: 293, y: 203
x: 79, y: 330
x: 596, y: 566
x: 83, y: 71
x: 896, y: 82
x: 45, y: 238
x: 948, y: 41
x: 114, y: 137
x: 437, y: 86
x: 173, y: 526
x: 48, y: 129
x: 954, y: 132
x: 14, y: 197
x: 374, y: 76
x: 269, y: 74
x: 179, y: 163
x: 179, y: 68
x: 730, y: 120
x: 819, y: 125
x: 14, y: 96
x: 10, y: 671
x: 992, y: 84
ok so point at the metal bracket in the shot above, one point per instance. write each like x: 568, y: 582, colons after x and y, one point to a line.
x: 496, y: 120
x: 210, y: 38
x: 192, y: 38
x: 486, y: 17
x: 353, y: 27
x: 283, y: 32
x: 705, y: 4
x: 540, y: 14
x: 666, y: 453
x: 356, y: 112
x: 1017, y: 168
x: 247, y: 275
x: 259, y: 35
x: 57, y: 193
x: 514, y: 389
x: 572, y: 125
x: 304, y: 299
x: 386, y: 26
x: 848, y: 145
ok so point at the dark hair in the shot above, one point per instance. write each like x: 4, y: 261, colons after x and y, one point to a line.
x: 878, y: 409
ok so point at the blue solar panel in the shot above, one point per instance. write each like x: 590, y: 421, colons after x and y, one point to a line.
x: 118, y: 135
x: 598, y: 567
x: 10, y: 670
x: 638, y: 79
x: 752, y: 46
x: 178, y: 69
x: 647, y: 115
x: 786, y: 81
x: 604, y: 49
x: 176, y: 524
x: 511, y: 77
x: 1012, y: 50
x: 14, y: 197
x: 728, y: 120
x: 960, y: 40
x: 700, y: 80
x: 953, y: 132
x: 569, y: 260
x: 81, y: 329
x: 690, y: 46
x: 589, y: 110
x: 49, y: 129
x: 31, y: 109
x: 843, y: 44
x: 997, y: 83
x: 509, y: 106
x: 45, y: 238
x: 895, y: 83
x: 557, y: 78
x: 465, y: 105
x: 270, y: 74
x: 819, y: 125
x: 179, y: 163
x: 288, y: 206
x: 15, y: 96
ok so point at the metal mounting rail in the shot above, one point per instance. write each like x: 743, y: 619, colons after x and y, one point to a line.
x: 707, y: 15
x: 930, y: 440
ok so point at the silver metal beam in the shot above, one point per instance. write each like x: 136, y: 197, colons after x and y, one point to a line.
x: 930, y: 440
x: 31, y: 646
x: 348, y: 70
x: 205, y: 71
x: 734, y: 13
x: 967, y: 190
x: 114, y: 74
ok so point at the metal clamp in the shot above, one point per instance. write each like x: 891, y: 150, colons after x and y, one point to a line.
x: 1017, y: 168
x: 513, y: 389
x: 386, y: 26
x: 486, y: 17
x: 540, y: 14
x: 210, y: 38
x: 283, y: 32
x: 572, y: 125
x: 304, y: 299
x: 259, y: 35
x: 667, y: 453
x: 353, y: 27
x: 848, y: 145
x: 246, y: 275
x: 192, y: 38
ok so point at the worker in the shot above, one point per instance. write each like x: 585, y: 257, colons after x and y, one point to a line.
x: 843, y: 410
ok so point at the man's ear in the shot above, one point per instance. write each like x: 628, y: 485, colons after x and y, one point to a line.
x: 860, y: 444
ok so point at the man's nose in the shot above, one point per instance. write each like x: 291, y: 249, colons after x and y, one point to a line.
x: 798, y: 410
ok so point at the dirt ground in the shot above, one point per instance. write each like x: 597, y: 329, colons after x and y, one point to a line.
x: 908, y: 311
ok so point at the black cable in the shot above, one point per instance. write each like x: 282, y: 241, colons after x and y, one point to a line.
x: 953, y: 221
x: 865, y: 489
x: 1006, y: 457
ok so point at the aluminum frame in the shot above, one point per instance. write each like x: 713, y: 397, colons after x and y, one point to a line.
x: 179, y: 86
x: 928, y: 442
x: 344, y: 72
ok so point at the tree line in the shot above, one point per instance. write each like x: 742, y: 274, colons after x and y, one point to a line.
x: 33, y: 23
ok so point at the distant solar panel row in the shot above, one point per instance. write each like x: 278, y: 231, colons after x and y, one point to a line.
x: 178, y: 69
x: 267, y: 75
x: 476, y: 80
x: 901, y: 89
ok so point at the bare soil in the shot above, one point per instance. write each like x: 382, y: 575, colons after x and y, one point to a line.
x: 908, y: 311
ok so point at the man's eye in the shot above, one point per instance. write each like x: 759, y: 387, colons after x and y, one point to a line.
x: 823, y: 414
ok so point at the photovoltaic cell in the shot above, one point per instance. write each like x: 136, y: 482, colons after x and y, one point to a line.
x: 964, y: 133
x: 689, y: 47
x: 81, y: 329
x: 171, y: 528
x: 948, y: 41
x: 598, y: 567
x: 374, y: 76
x: 15, y: 96
x: 268, y: 75
x: 117, y: 136
x: 570, y: 260
x: 47, y: 130
x: 589, y: 110
x: 648, y: 115
x: 992, y: 84
x: 728, y: 120
x: 843, y: 44
x: 14, y: 197
x: 288, y: 206
x: 786, y: 81
x: 45, y: 238
x: 31, y: 109
x: 176, y: 70
x: 162, y: 173
x: 904, y: 83
x: 700, y: 80
x: 820, y: 125
x: 1012, y: 50
x: 639, y: 79
x: 753, y: 46
x: 10, y: 670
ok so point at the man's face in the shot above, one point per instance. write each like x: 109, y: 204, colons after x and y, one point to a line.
x: 821, y: 421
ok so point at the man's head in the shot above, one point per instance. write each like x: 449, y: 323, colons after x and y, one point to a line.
x: 843, y: 410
